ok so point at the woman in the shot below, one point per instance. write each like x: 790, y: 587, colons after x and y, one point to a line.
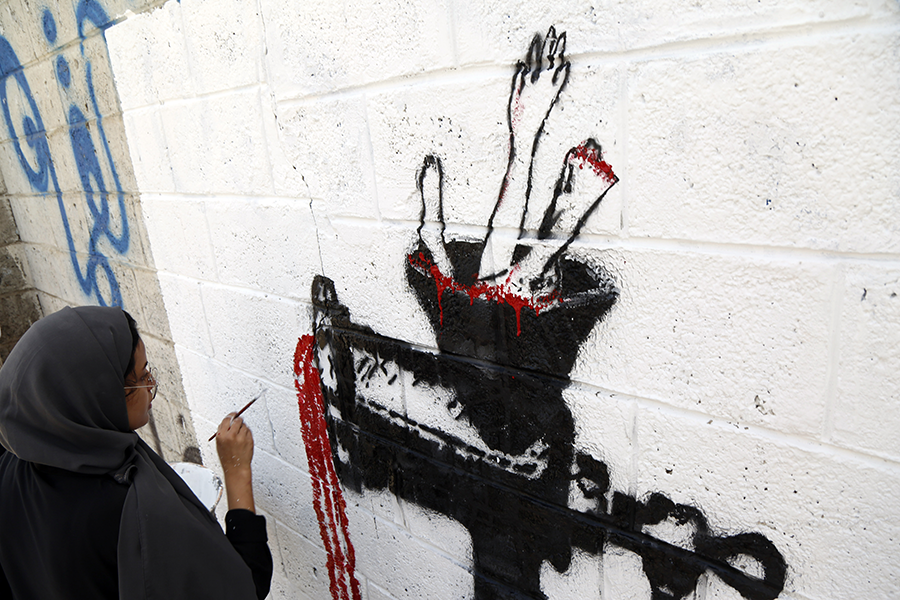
x: 87, y: 509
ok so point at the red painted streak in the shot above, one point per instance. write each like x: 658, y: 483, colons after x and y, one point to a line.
x: 590, y: 155
x: 328, y: 500
x: 501, y: 294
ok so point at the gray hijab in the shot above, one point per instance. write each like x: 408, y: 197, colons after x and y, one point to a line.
x: 62, y: 404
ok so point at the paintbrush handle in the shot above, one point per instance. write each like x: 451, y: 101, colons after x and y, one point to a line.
x: 239, y: 413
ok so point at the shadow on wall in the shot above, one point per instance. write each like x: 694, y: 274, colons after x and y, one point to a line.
x: 509, y: 316
x: 19, y: 305
x: 98, y: 177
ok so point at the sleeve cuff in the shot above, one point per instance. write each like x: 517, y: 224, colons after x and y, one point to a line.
x: 242, y: 526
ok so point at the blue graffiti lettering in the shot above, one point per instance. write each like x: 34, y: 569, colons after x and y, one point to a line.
x: 88, y: 153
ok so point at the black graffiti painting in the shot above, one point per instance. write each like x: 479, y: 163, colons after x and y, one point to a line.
x: 510, y: 312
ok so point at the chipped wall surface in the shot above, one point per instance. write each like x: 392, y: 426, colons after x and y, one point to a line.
x: 541, y: 301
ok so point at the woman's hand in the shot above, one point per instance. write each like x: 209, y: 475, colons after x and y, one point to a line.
x: 234, y: 443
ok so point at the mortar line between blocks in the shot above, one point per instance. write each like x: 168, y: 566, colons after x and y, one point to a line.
x: 623, y: 139
x: 246, y: 290
x: 799, y: 33
x: 635, y: 450
x: 270, y: 385
x: 597, y: 241
x: 193, y: 99
x: 371, y: 151
x: 209, y: 337
x: 834, y: 354
x: 805, y: 443
x: 265, y: 136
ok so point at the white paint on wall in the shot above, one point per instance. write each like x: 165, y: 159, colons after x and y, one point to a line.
x: 748, y: 367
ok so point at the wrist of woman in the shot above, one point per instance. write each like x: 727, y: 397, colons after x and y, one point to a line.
x: 239, y: 489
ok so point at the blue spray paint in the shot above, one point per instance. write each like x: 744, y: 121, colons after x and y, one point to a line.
x: 90, y: 150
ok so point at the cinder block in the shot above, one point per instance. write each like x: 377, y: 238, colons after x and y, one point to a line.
x: 287, y: 436
x: 106, y: 140
x: 283, y: 490
x: 380, y: 504
x: 304, y: 564
x: 449, y: 537
x: 37, y: 219
x: 153, y: 309
x: 197, y: 380
x: 162, y: 357
x: 283, y: 589
x: 63, y: 21
x: 149, y: 151
x: 45, y: 89
x: 14, y: 176
x: 376, y: 593
x: 402, y: 565
x: 461, y: 121
x: 217, y: 144
x: 52, y: 271
x: 165, y: 359
x: 19, y: 311
x: 760, y: 160
x: 50, y: 304
x: 253, y: 332
x: 139, y: 253
x: 117, y: 143
x: 149, y: 57
x: 20, y: 24
x: 274, y: 545
x: 604, y: 430
x: 214, y: 391
x: 308, y: 51
x: 485, y: 32
x: 268, y: 245
x: 68, y: 179
x: 680, y: 20
x: 8, y: 233
x: 623, y: 575
x: 742, y: 338
x: 102, y: 94
x: 326, y: 141
x: 866, y: 413
x: 117, y: 8
x: 175, y: 224
x: 75, y: 213
x: 824, y: 511
x: 184, y: 312
x: 12, y: 275
x: 583, y: 579
x: 224, y: 42
x: 367, y: 265
x: 488, y: 32
x: 124, y: 276
x: 286, y: 178
x: 187, y: 132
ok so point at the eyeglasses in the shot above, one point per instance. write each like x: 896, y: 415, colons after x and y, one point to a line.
x: 150, y: 375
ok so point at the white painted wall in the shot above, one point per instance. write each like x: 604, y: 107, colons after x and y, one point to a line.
x: 750, y: 366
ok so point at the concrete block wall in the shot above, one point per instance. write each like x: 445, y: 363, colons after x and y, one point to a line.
x: 746, y: 373
x: 19, y: 306
x: 70, y: 193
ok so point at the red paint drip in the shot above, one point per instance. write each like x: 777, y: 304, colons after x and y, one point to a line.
x: 501, y: 294
x: 328, y: 500
x: 589, y: 155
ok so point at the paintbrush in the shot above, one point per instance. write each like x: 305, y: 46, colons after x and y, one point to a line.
x: 239, y: 413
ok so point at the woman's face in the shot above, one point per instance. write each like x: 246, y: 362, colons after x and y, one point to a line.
x: 139, y: 399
